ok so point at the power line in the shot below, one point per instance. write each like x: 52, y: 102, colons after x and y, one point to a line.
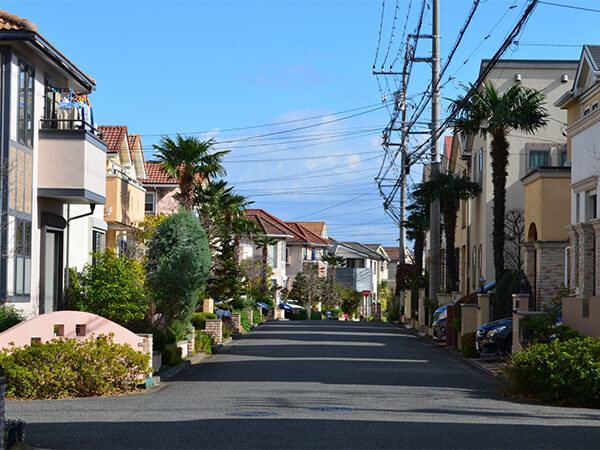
x: 302, y: 158
x: 343, y: 202
x: 561, y: 5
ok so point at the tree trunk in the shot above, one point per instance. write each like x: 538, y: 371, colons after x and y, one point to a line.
x: 264, y: 271
x: 499, y: 174
x: 186, y: 186
x: 419, y: 245
x: 449, y: 210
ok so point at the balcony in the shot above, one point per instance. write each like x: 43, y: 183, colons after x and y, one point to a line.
x: 125, y: 198
x: 72, y: 162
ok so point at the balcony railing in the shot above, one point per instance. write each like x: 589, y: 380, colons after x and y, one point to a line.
x: 69, y: 124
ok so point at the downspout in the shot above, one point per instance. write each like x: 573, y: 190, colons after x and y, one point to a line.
x: 566, y: 277
x: 69, y: 219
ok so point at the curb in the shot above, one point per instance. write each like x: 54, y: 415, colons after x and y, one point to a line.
x: 168, y: 373
x: 452, y: 353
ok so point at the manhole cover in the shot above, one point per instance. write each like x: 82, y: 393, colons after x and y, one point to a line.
x: 253, y: 414
x: 329, y: 408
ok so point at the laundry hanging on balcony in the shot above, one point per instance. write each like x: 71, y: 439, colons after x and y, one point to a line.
x: 74, y: 112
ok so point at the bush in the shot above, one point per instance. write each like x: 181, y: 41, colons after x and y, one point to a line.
x: 171, y: 355
x: 316, y: 315
x: 246, y: 325
x: 538, y: 328
x: 256, y: 316
x: 199, y: 319
x: 227, y: 329
x: 302, y: 314
x: 566, y: 373
x: 9, y: 317
x: 178, y: 265
x: 113, y: 288
x: 370, y: 318
x: 203, y: 344
x: 176, y: 331
x: 457, y: 325
x: 72, y: 368
x: 159, y: 340
x: 468, y: 348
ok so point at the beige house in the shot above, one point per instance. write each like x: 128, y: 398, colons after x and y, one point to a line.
x: 51, y: 158
x: 581, y: 103
x: 125, y: 194
x: 160, y: 190
x: 471, y: 155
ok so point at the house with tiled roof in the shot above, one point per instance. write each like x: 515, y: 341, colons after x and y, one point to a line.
x: 160, y: 190
x: 297, y: 246
x: 318, y: 228
x: 125, y: 194
x: 394, y: 255
x: 54, y: 163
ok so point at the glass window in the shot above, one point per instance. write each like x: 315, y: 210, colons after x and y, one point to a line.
x: 563, y: 158
x: 25, y: 114
x: 274, y: 259
x: 98, y: 243
x: 149, y: 205
x: 22, y: 257
x: 538, y: 158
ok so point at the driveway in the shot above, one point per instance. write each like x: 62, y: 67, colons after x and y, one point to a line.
x: 319, y: 384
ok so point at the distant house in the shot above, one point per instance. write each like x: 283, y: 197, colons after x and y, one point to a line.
x: 394, y: 256
x: 160, y: 190
x: 124, y: 192
x: 363, y: 271
x: 305, y: 247
x: 318, y: 228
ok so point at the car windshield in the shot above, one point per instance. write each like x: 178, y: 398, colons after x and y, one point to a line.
x: 439, y: 315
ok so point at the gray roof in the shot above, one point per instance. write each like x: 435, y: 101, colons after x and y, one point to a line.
x: 594, y: 53
x: 361, y: 248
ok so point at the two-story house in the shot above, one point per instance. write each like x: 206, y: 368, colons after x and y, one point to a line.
x: 125, y: 194
x: 547, y: 147
x: 160, y: 190
x: 51, y: 157
x: 581, y: 103
x: 363, y: 271
x: 305, y: 247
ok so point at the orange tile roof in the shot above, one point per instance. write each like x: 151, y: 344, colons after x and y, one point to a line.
x: 113, y: 135
x: 303, y: 234
x: 156, y: 175
x: 268, y: 223
x: 12, y: 22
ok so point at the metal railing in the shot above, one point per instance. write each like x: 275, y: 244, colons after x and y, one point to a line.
x: 69, y: 124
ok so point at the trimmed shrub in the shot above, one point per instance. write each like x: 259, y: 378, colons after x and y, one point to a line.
x: 9, y: 317
x: 301, y: 315
x: 316, y: 315
x: 227, y: 329
x: 178, y: 265
x: 159, y: 340
x: 199, y: 319
x: 468, y: 348
x: 65, y: 368
x: 203, y: 344
x: 565, y: 373
x: 171, y: 355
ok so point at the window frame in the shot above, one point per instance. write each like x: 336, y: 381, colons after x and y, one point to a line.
x: 153, y: 194
x: 22, y: 251
x: 26, y: 77
x: 538, y: 152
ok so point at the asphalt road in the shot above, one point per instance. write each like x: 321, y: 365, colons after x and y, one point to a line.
x: 313, y: 385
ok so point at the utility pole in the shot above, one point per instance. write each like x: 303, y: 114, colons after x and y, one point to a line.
x: 434, y: 227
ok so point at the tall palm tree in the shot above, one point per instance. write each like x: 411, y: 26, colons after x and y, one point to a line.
x: 333, y: 261
x: 416, y: 224
x: 264, y: 242
x: 448, y: 188
x: 188, y: 159
x: 487, y: 111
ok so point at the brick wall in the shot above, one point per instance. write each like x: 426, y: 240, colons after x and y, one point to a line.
x: 550, y: 270
x: 236, y: 319
x: 585, y: 263
x: 214, y: 328
x: 249, y: 313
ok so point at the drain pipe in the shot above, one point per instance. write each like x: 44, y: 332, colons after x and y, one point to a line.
x: 69, y: 219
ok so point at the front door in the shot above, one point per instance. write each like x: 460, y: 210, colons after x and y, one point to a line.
x: 52, y: 271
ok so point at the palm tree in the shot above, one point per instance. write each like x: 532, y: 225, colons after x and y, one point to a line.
x: 264, y: 242
x: 188, y: 159
x: 333, y: 261
x: 488, y: 111
x: 448, y: 188
x: 416, y: 224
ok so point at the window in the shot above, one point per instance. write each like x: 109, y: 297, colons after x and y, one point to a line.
x: 247, y: 250
x: 577, y: 208
x: 586, y: 111
x: 122, y: 245
x: 98, y: 243
x: 274, y: 260
x: 25, y: 112
x: 313, y: 254
x: 538, y: 158
x: 284, y: 251
x: 149, y: 206
x: 563, y: 158
x: 287, y: 255
x: 22, y: 257
x: 590, y: 205
x: 595, y: 105
x: 80, y: 329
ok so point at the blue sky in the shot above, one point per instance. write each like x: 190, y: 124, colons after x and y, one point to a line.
x: 205, y: 67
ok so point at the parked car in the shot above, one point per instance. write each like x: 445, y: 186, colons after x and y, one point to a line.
x: 332, y: 315
x: 495, y: 338
x: 439, y: 323
x: 288, y: 310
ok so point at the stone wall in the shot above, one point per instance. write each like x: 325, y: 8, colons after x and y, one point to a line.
x: 214, y: 328
x: 236, y: 319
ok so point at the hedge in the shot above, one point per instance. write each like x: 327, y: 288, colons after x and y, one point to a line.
x: 64, y: 368
x: 203, y: 344
x: 171, y: 355
x: 199, y: 319
x: 561, y: 372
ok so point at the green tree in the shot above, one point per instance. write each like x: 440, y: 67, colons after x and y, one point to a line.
x: 350, y: 301
x: 188, y: 159
x: 308, y: 287
x: 487, y: 111
x: 113, y: 288
x: 264, y: 242
x: 449, y: 189
x: 178, y: 265
x: 416, y: 225
x: 334, y: 261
